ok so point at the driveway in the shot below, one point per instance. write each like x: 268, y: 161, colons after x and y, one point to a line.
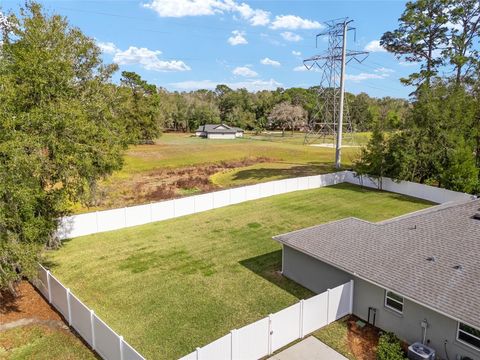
x: 309, y: 349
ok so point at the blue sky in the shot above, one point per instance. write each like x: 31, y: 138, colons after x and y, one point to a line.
x: 189, y: 44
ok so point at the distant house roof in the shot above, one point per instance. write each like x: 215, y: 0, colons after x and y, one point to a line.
x: 431, y: 256
x: 218, y: 129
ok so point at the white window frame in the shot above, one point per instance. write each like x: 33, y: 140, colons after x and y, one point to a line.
x: 463, y: 331
x: 395, y: 300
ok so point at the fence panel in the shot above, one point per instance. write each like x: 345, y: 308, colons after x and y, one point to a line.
x: 220, y: 349
x: 78, y: 225
x: 279, y: 187
x: 251, y: 342
x: 267, y: 189
x: 238, y: 195
x: 107, y: 342
x: 291, y: 184
x: 221, y: 198
x: 191, y: 356
x: 81, y: 319
x: 303, y: 183
x: 138, y: 215
x: 185, y: 206
x: 111, y: 219
x: 59, y: 296
x: 314, y: 182
x: 339, y: 302
x: 42, y: 281
x: 130, y: 353
x: 203, y: 202
x: 314, y: 313
x: 285, y: 326
x: 252, y: 192
x: 163, y: 210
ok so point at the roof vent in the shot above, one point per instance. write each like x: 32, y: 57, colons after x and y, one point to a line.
x: 458, y: 267
x: 432, y: 258
x: 476, y: 216
x: 414, y: 227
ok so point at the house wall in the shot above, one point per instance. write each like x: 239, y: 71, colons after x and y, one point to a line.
x: 311, y: 273
x: 221, y: 136
x: 319, y: 276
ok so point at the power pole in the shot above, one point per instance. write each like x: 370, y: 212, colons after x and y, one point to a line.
x: 329, y: 118
x: 338, y: 149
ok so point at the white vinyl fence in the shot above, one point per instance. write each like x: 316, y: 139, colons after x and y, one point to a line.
x: 100, y: 221
x: 266, y: 336
x: 106, y: 342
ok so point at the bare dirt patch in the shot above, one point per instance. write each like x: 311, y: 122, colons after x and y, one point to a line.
x: 362, y: 341
x: 28, y: 304
x: 163, y: 184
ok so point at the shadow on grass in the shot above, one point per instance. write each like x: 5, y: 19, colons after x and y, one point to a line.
x: 268, y: 266
x: 287, y: 172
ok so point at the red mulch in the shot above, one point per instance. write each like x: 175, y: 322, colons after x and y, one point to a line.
x: 363, y: 342
x: 27, y: 304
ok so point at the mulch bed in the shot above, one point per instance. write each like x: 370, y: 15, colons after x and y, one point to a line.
x: 28, y: 304
x: 363, y: 341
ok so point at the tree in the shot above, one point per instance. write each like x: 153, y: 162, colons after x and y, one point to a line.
x: 420, y: 37
x: 59, y: 132
x: 286, y: 116
x: 140, y: 104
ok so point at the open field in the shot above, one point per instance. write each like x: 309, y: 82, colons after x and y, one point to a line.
x: 170, y: 286
x: 182, y: 164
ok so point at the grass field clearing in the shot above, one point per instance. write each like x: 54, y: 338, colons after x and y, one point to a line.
x: 171, y: 286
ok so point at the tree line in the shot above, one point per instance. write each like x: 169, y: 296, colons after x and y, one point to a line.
x: 439, y: 141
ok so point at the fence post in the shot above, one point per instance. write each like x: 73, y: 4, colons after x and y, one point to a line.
x: 229, y: 197
x: 270, y: 333
x: 300, y: 326
x: 233, y: 344
x: 125, y: 216
x: 351, y: 296
x: 49, y: 287
x: 328, y: 306
x: 120, y: 338
x: 69, y: 307
x: 174, y: 206
x: 197, y: 352
x: 96, y: 219
x: 92, y: 328
x: 151, y: 212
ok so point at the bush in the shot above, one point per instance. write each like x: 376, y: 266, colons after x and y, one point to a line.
x: 389, y: 348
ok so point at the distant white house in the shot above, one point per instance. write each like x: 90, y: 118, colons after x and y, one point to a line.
x: 218, y: 131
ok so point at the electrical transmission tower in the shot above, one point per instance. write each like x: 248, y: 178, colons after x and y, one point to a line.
x: 331, y: 113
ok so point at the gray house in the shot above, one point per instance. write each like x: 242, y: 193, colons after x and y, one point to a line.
x: 218, y: 131
x: 417, y: 275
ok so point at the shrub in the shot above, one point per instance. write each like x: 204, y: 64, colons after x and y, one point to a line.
x: 389, y: 348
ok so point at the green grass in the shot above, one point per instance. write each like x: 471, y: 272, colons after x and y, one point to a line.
x: 335, y: 335
x: 171, y: 286
x: 37, y: 342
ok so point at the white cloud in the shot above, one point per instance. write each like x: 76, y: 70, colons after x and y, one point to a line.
x: 148, y: 59
x: 294, y: 22
x: 406, y: 63
x: 237, y: 38
x: 244, y: 71
x: 268, y: 61
x: 289, y: 36
x: 384, y: 70
x: 108, y: 47
x: 363, y: 76
x: 181, y: 8
x: 374, y: 46
x: 251, y: 85
x: 296, y: 53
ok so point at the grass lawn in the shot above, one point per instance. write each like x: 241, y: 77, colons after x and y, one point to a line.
x: 147, y: 176
x: 39, y: 342
x: 171, y: 286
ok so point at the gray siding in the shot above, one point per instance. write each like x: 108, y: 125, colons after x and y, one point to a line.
x: 311, y: 273
x: 318, y: 277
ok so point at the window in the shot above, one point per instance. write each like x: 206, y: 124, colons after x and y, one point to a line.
x: 469, y: 335
x: 394, y: 301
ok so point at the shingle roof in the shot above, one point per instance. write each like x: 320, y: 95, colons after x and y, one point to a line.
x: 393, y: 254
x: 214, y: 129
